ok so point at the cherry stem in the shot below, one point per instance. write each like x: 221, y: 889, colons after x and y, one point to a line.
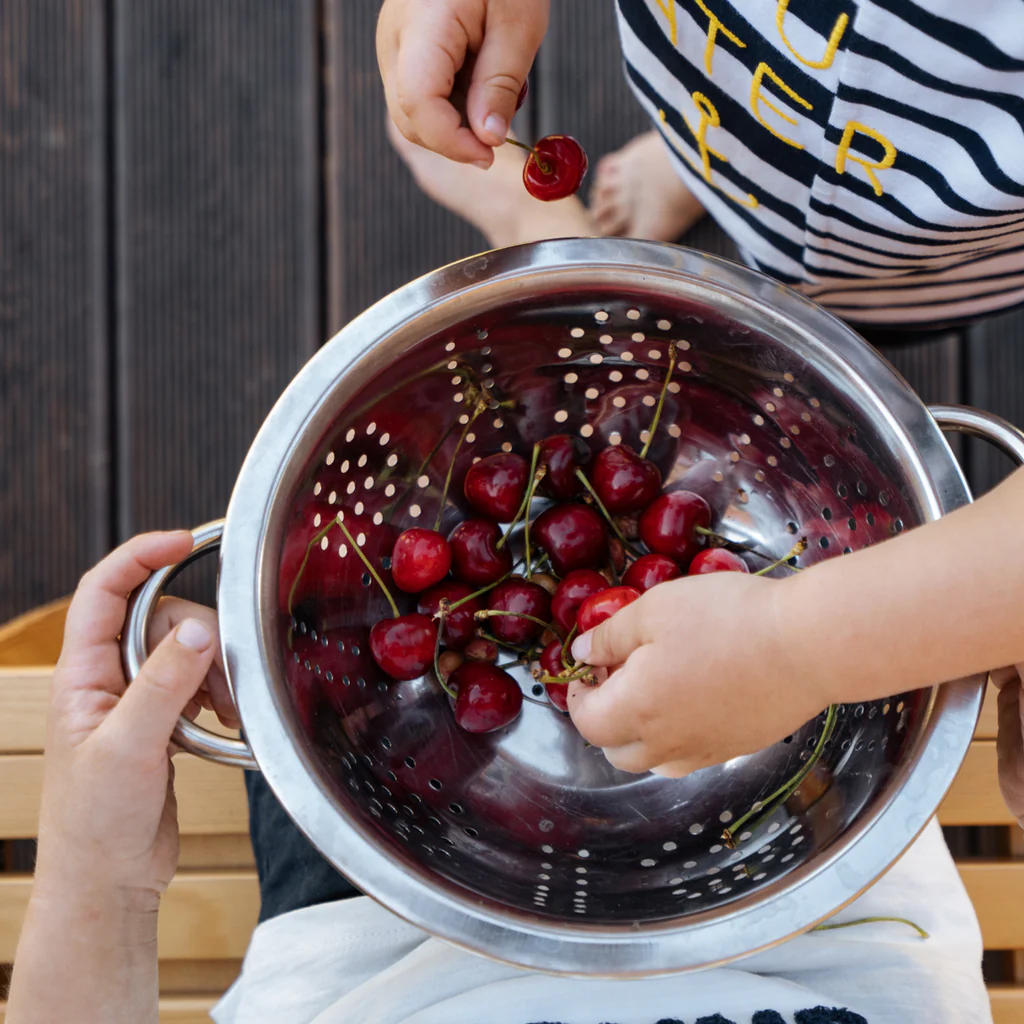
x: 786, y: 790
x: 736, y: 545
x: 542, y: 703
x: 503, y: 643
x: 798, y: 549
x: 423, y: 467
x: 578, y: 672
x: 491, y: 613
x: 305, y: 558
x: 582, y: 477
x: 873, y: 920
x: 368, y: 564
x: 478, y: 409
x: 545, y: 167
x: 661, y: 401
x: 537, y: 477
x: 524, y: 504
x: 477, y: 593
x: 443, y: 612
x: 567, y: 646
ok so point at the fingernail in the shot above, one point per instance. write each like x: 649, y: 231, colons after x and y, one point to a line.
x: 581, y: 647
x: 482, y: 164
x: 194, y: 635
x: 496, y: 126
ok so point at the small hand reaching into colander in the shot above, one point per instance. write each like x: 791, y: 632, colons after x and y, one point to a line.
x: 708, y: 668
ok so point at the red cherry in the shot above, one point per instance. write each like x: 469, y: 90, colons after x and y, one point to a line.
x: 558, y: 694
x: 459, y: 626
x: 571, y: 593
x: 488, y: 698
x: 420, y: 559
x: 715, y: 560
x: 476, y: 558
x: 573, y: 536
x: 669, y: 524
x: 599, y: 607
x: 555, y: 168
x: 650, y: 570
x: 562, y: 454
x: 495, y: 486
x: 624, y: 482
x: 551, y: 658
x: 517, y: 595
x: 521, y: 98
x: 480, y: 649
x: 404, y: 647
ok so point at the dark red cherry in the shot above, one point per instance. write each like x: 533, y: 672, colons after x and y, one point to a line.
x: 555, y: 169
x: 481, y: 649
x: 571, y: 593
x: 488, y: 698
x: 551, y: 659
x: 420, y: 559
x: 495, y: 486
x: 603, y: 606
x: 669, y: 524
x: 624, y: 482
x: 521, y: 98
x: 650, y: 570
x: 573, y: 536
x: 562, y: 455
x: 476, y: 557
x: 517, y: 595
x: 459, y: 626
x: 404, y: 647
x: 558, y: 694
x: 715, y: 560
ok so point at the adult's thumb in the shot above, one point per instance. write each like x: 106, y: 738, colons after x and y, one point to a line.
x: 512, y: 36
x: 169, y: 679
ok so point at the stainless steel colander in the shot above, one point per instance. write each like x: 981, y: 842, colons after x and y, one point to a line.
x: 525, y: 845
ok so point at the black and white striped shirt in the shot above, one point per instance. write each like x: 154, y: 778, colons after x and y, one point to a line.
x: 867, y: 152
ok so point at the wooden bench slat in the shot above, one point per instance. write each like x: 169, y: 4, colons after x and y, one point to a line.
x: 974, y: 798
x: 204, y: 915
x: 996, y: 889
x: 173, y: 1009
x: 211, y: 798
x: 197, y: 977
x: 203, y: 852
x: 1007, y: 1004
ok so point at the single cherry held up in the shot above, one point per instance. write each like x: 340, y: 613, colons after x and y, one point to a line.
x: 555, y: 167
x: 404, y: 645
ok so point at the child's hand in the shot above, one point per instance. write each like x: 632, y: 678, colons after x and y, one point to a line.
x: 701, y: 671
x: 1010, y: 745
x: 109, y: 820
x: 441, y: 59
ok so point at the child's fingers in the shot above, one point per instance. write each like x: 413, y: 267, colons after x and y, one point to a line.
x: 510, y: 45
x: 601, y: 714
x: 96, y: 615
x: 147, y: 713
x: 418, y: 96
x: 615, y: 639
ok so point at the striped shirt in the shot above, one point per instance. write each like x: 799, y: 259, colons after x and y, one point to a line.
x: 868, y: 152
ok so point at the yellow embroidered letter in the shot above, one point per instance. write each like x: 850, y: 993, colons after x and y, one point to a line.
x: 708, y: 116
x: 833, y: 40
x: 668, y: 8
x: 756, y: 98
x: 713, y: 26
x: 869, y: 166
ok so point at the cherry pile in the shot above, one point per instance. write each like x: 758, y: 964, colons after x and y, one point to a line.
x: 551, y: 547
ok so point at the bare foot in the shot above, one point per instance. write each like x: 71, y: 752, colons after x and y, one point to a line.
x: 638, y: 194
x: 494, y: 201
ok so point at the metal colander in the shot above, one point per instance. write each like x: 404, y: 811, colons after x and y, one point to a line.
x: 525, y: 844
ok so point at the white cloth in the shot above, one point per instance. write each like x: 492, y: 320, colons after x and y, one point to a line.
x: 353, y: 962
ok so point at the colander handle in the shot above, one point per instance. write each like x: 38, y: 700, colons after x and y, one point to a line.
x: 989, y: 427
x: 135, y: 649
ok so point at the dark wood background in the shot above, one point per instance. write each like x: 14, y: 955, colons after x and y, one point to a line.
x: 194, y: 195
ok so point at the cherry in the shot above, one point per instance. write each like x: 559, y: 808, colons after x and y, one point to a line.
x: 420, y: 559
x: 669, y: 524
x: 518, y: 595
x: 476, y: 557
x: 623, y: 481
x: 488, y: 698
x: 459, y: 625
x: 562, y: 454
x: 447, y: 663
x: 495, y: 486
x: 555, y: 168
x: 573, y: 536
x: 715, y: 560
x: 404, y: 646
x: 571, y: 593
x: 599, y: 607
x: 650, y: 570
x: 481, y: 649
x: 551, y: 659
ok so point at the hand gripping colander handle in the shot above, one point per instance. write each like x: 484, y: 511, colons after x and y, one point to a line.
x: 989, y: 427
x: 135, y: 649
